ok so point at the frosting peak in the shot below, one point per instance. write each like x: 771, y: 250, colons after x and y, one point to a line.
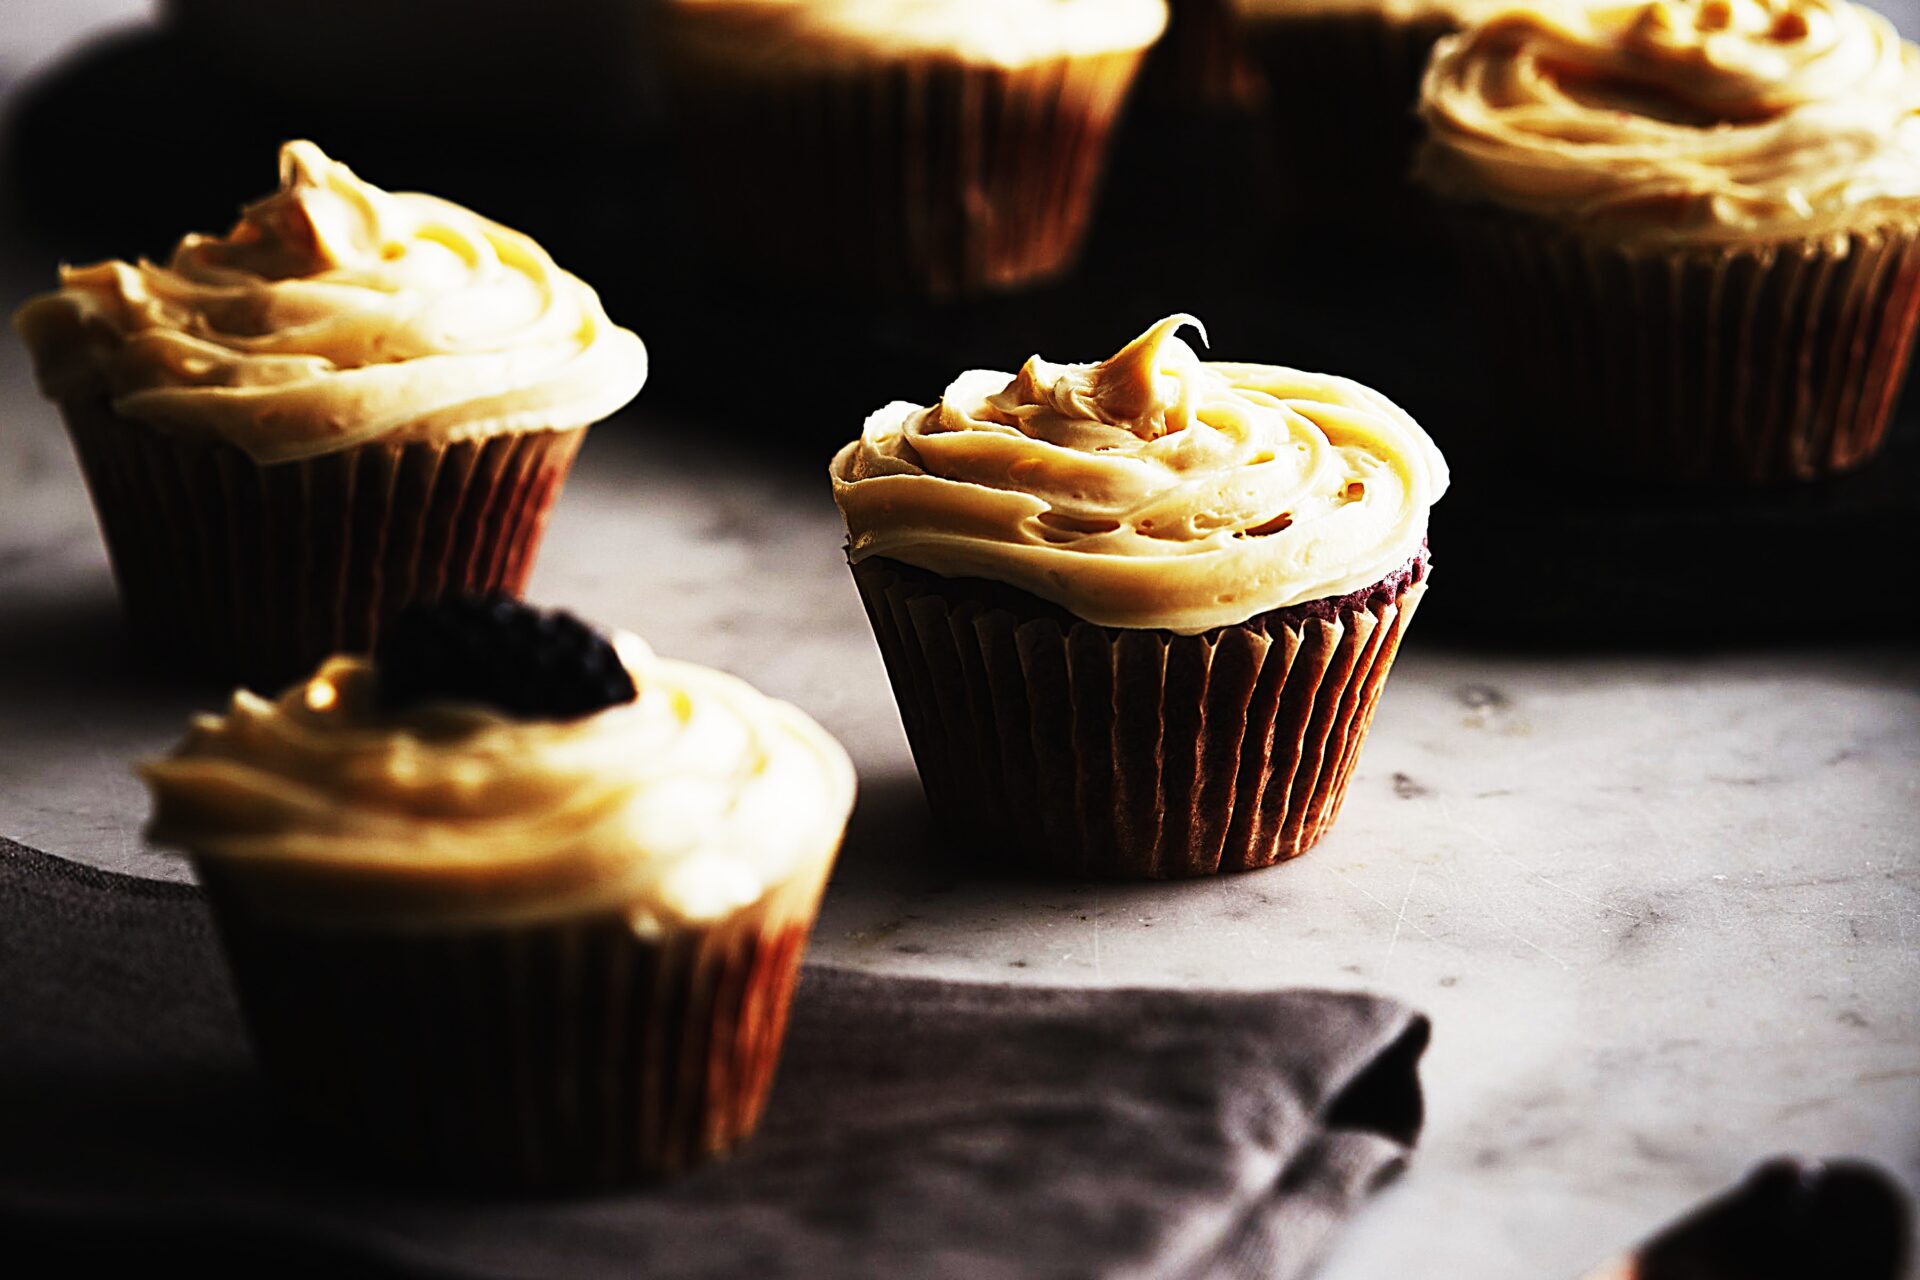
x: 1694, y: 118
x: 321, y: 218
x: 1146, y: 389
x: 332, y: 314
x: 1151, y: 490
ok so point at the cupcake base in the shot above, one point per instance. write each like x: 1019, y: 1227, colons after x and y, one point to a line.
x: 1740, y: 365
x: 240, y: 571
x: 927, y: 178
x: 546, y: 1056
x: 1059, y: 745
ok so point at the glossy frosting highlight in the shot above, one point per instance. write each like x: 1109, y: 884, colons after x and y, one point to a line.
x: 1151, y: 490
x: 1684, y: 118
x: 825, y: 33
x: 683, y: 806
x: 335, y: 313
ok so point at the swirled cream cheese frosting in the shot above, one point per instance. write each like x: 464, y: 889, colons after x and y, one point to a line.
x: 1699, y: 119
x: 828, y: 33
x: 682, y: 806
x: 334, y: 314
x: 1151, y: 490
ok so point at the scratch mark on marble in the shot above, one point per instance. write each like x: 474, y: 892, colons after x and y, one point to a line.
x: 1525, y: 941
x: 1400, y: 920
x: 1374, y: 898
x: 1493, y: 913
x: 1096, y: 935
x: 1499, y: 851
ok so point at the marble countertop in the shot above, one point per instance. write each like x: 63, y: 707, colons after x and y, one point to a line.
x: 1664, y: 912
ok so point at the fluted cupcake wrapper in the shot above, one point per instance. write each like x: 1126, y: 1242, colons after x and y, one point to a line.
x: 567, y: 1054
x: 1340, y: 91
x: 242, y: 571
x: 926, y: 178
x: 1131, y: 754
x: 1735, y: 365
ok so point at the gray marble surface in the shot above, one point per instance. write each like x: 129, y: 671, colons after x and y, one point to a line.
x: 1665, y: 912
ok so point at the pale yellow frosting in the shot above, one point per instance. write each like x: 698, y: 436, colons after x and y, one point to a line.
x: 681, y: 807
x: 1150, y: 490
x: 333, y: 314
x: 825, y: 33
x: 1708, y: 119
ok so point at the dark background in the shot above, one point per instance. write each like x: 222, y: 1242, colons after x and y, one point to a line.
x: 152, y: 131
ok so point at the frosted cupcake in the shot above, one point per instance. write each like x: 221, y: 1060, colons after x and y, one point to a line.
x: 919, y: 147
x: 352, y: 400
x: 506, y: 903
x: 1138, y: 614
x: 1694, y: 225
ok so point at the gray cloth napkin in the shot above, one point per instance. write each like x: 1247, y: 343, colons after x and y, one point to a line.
x: 918, y: 1128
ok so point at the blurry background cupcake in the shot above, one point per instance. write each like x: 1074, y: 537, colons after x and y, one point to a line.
x: 1693, y: 226
x: 922, y: 147
x: 352, y: 400
x: 1138, y: 614
x: 507, y: 903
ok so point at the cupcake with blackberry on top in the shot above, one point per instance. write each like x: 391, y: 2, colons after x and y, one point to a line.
x: 1138, y: 614
x: 352, y: 400
x: 1695, y: 225
x: 931, y: 148
x: 509, y: 902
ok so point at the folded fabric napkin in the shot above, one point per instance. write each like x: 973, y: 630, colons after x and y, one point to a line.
x: 918, y: 1127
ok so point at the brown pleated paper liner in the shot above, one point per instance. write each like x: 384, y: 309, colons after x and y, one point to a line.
x: 926, y: 178
x: 242, y: 571
x: 1132, y: 754
x: 569, y: 1054
x: 1732, y: 365
x: 1340, y: 91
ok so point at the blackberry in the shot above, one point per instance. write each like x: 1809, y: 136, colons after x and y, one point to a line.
x: 529, y: 663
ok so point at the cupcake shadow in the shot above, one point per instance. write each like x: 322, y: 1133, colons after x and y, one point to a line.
x: 890, y: 842
x: 69, y: 649
x: 894, y: 849
x: 213, y: 1114
x: 1531, y: 561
